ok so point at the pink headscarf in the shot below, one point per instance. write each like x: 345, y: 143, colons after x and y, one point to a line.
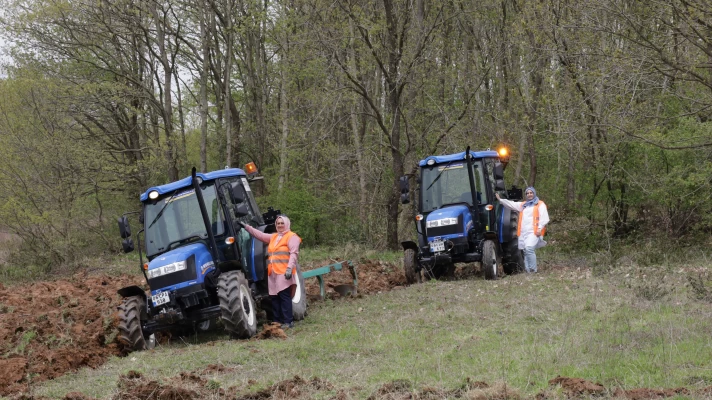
x: 287, y: 223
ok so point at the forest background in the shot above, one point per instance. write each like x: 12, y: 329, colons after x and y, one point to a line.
x: 604, y: 104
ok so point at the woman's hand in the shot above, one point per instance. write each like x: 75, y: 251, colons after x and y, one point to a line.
x: 288, y: 274
x: 497, y: 195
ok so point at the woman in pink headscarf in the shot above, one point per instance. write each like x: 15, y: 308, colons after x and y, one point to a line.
x: 282, y: 253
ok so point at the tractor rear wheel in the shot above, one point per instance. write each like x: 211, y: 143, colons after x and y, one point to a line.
x: 131, y: 336
x: 236, y: 305
x: 299, y: 300
x: 491, y: 263
x: 411, y: 276
x: 514, y: 258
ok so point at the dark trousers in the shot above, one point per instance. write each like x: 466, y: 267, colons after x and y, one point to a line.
x: 282, y: 306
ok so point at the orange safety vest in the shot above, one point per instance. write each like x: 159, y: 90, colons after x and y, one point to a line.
x: 536, y: 220
x: 278, y: 253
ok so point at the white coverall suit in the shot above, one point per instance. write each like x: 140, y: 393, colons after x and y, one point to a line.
x: 528, y: 241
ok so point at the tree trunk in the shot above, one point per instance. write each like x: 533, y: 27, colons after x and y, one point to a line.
x: 284, y: 113
x: 228, y: 97
x: 393, y: 102
x: 205, y: 44
x: 167, y: 106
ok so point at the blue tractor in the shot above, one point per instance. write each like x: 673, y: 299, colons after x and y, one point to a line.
x: 201, y: 266
x: 458, y: 218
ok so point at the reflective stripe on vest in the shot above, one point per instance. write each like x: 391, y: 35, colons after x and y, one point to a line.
x: 535, y: 214
x: 278, y: 253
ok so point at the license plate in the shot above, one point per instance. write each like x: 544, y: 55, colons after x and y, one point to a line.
x: 160, y: 298
x: 437, y: 245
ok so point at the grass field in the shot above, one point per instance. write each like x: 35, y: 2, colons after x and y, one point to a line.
x: 626, y: 327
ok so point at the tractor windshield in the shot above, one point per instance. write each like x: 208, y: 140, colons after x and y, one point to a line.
x: 450, y: 184
x: 176, y: 219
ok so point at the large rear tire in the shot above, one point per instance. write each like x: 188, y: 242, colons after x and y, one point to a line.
x: 299, y: 301
x: 514, y: 258
x: 491, y: 264
x: 411, y: 276
x: 236, y: 305
x: 131, y: 336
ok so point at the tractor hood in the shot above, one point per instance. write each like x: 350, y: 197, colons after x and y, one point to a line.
x: 180, y: 267
x: 448, y: 222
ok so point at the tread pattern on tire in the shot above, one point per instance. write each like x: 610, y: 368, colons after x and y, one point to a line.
x: 233, y: 316
x: 411, y: 276
x: 489, y: 253
x: 130, y: 334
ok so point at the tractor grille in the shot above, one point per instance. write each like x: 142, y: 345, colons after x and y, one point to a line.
x: 188, y: 274
x: 447, y: 230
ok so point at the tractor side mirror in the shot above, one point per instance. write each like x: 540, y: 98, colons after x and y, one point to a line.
x: 128, y: 245
x: 241, y: 210
x: 498, y: 171
x: 124, y: 228
x: 404, y: 189
x: 499, y: 185
x: 237, y: 193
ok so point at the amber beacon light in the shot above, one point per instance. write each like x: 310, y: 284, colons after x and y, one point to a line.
x: 503, y: 154
x: 250, y: 168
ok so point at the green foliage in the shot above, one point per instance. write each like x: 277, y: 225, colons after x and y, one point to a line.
x: 302, y: 208
x: 700, y: 286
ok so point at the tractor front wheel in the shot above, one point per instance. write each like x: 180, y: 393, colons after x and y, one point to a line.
x: 411, y: 276
x: 131, y: 336
x: 491, y: 263
x: 236, y: 305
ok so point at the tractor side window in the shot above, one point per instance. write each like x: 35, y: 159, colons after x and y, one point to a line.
x: 478, y: 174
x: 253, y: 217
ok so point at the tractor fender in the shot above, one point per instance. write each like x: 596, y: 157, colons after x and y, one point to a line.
x: 409, y: 244
x: 129, y: 291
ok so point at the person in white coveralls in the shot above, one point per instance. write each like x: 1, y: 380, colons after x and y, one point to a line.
x: 533, y: 218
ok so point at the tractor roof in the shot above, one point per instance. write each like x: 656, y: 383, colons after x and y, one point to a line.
x: 186, y: 182
x: 458, y: 156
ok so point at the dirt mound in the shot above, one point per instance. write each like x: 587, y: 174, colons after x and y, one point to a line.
x: 575, y: 387
x: 374, y: 276
x: 475, y: 390
x: 53, y: 327
x: 272, y: 330
x: 646, y: 394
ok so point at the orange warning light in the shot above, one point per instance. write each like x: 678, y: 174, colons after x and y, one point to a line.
x: 250, y: 168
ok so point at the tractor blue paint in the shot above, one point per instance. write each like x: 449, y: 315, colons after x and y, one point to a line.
x: 186, y: 182
x: 203, y: 265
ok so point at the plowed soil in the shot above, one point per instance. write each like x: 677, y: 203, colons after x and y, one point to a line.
x: 52, y: 327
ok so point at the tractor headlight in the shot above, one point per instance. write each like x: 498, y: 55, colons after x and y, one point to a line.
x: 153, y: 195
x: 431, y: 162
x: 441, y: 222
x: 167, y: 269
